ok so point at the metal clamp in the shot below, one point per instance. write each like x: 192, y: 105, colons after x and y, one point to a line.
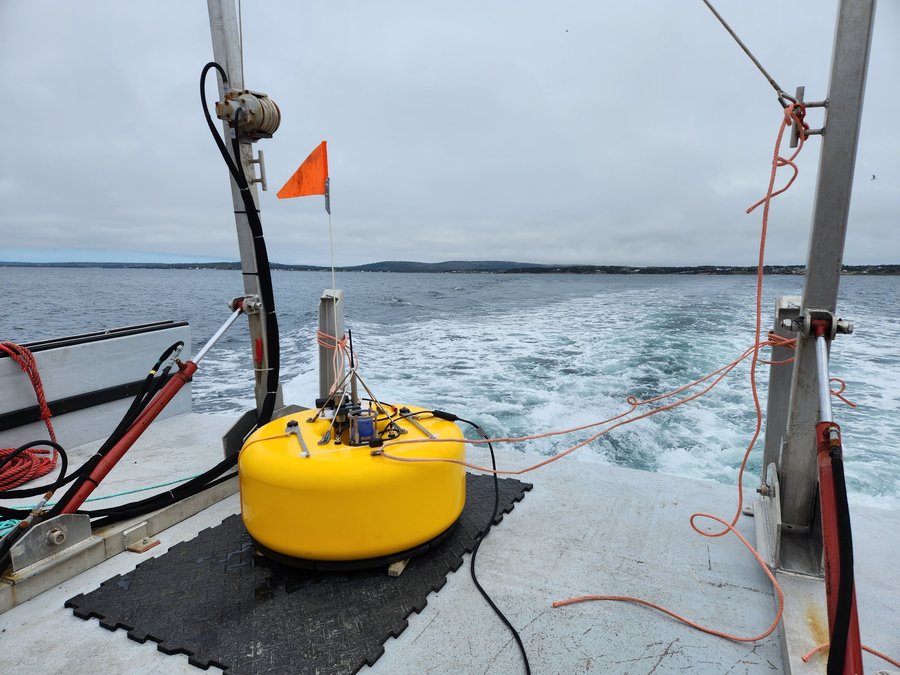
x: 49, y: 537
x: 804, y: 324
x: 252, y: 304
x: 262, y: 171
x: 795, y: 128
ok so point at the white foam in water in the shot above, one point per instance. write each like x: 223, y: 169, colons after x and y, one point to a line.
x: 521, y: 354
x: 536, y: 369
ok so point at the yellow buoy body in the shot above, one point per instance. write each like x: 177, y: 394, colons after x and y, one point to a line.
x: 342, y: 503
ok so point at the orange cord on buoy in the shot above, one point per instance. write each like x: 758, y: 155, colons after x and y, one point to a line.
x: 614, y: 422
x: 339, y: 347
x: 36, y: 462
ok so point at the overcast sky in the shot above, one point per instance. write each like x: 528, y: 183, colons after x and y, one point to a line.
x: 541, y: 131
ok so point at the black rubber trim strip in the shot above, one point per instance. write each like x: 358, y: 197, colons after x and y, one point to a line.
x: 353, y: 565
x: 23, y: 416
x: 83, y: 338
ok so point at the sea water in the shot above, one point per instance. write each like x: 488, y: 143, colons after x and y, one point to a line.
x: 520, y: 354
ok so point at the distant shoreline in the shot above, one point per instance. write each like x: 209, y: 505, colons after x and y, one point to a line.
x: 482, y: 267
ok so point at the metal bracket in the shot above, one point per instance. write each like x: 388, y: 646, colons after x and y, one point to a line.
x: 137, y: 538
x: 804, y: 324
x: 262, y: 171
x: 49, y: 537
x: 768, y: 519
x: 420, y: 427
x: 795, y: 128
x: 252, y: 304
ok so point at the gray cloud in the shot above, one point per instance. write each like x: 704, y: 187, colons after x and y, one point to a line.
x: 563, y: 132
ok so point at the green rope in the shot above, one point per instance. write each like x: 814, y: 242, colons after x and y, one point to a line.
x: 7, y: 525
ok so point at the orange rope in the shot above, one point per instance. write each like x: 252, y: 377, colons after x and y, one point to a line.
x: 36, y: 462
x: 841, y: 391
x: 806, y: 657
x: 694, y: 624
x: 339, y: 347
x: 791, y: 115
x: 631, y: 400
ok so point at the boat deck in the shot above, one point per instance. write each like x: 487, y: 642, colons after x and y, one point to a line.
x: 585, y: 528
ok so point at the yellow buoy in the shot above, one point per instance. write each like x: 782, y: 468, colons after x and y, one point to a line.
x: 339, y: 502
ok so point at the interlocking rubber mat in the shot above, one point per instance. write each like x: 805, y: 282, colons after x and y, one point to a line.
x: 215, y: 600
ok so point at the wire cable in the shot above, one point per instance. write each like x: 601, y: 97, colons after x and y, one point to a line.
x: 783, y: 98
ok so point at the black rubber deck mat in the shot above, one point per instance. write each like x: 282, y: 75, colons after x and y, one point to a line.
x: 213, y: 599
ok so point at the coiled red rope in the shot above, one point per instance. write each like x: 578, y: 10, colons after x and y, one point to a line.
x: 34, y: 462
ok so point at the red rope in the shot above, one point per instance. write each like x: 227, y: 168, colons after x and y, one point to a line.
x: 34, y: 462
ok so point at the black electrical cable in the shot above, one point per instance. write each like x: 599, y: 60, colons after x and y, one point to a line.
x: 260, y: 254
x: 496, y: 512
x: 350, y: 340
x: 837, y: 651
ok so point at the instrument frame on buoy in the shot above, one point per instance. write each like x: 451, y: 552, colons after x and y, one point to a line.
x: 316, y: 493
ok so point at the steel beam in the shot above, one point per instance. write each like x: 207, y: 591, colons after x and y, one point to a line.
x: 223, y: 25
x: 777, y: 402
x: 850, y: 62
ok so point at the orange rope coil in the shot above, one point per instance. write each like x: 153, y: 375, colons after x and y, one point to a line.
x: 35, y: 462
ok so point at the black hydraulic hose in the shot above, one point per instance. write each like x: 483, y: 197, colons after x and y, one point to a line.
x: 141, y: 400
x: 837, y: 651
x: 264, y: 274
x: 207, y: 479
x: 63, y: 478
x: 260, y: 254
x: 146, y: 393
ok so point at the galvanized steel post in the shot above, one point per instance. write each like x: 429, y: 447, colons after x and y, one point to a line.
x: 826, y: 247
x: 226, y: 41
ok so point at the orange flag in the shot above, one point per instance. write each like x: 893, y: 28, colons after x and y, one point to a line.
x: 311, y: 178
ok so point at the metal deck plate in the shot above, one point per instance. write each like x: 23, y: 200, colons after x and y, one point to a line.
x: 214, y: 600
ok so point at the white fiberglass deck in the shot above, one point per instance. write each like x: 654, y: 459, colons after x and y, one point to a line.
x: 585, y: 528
